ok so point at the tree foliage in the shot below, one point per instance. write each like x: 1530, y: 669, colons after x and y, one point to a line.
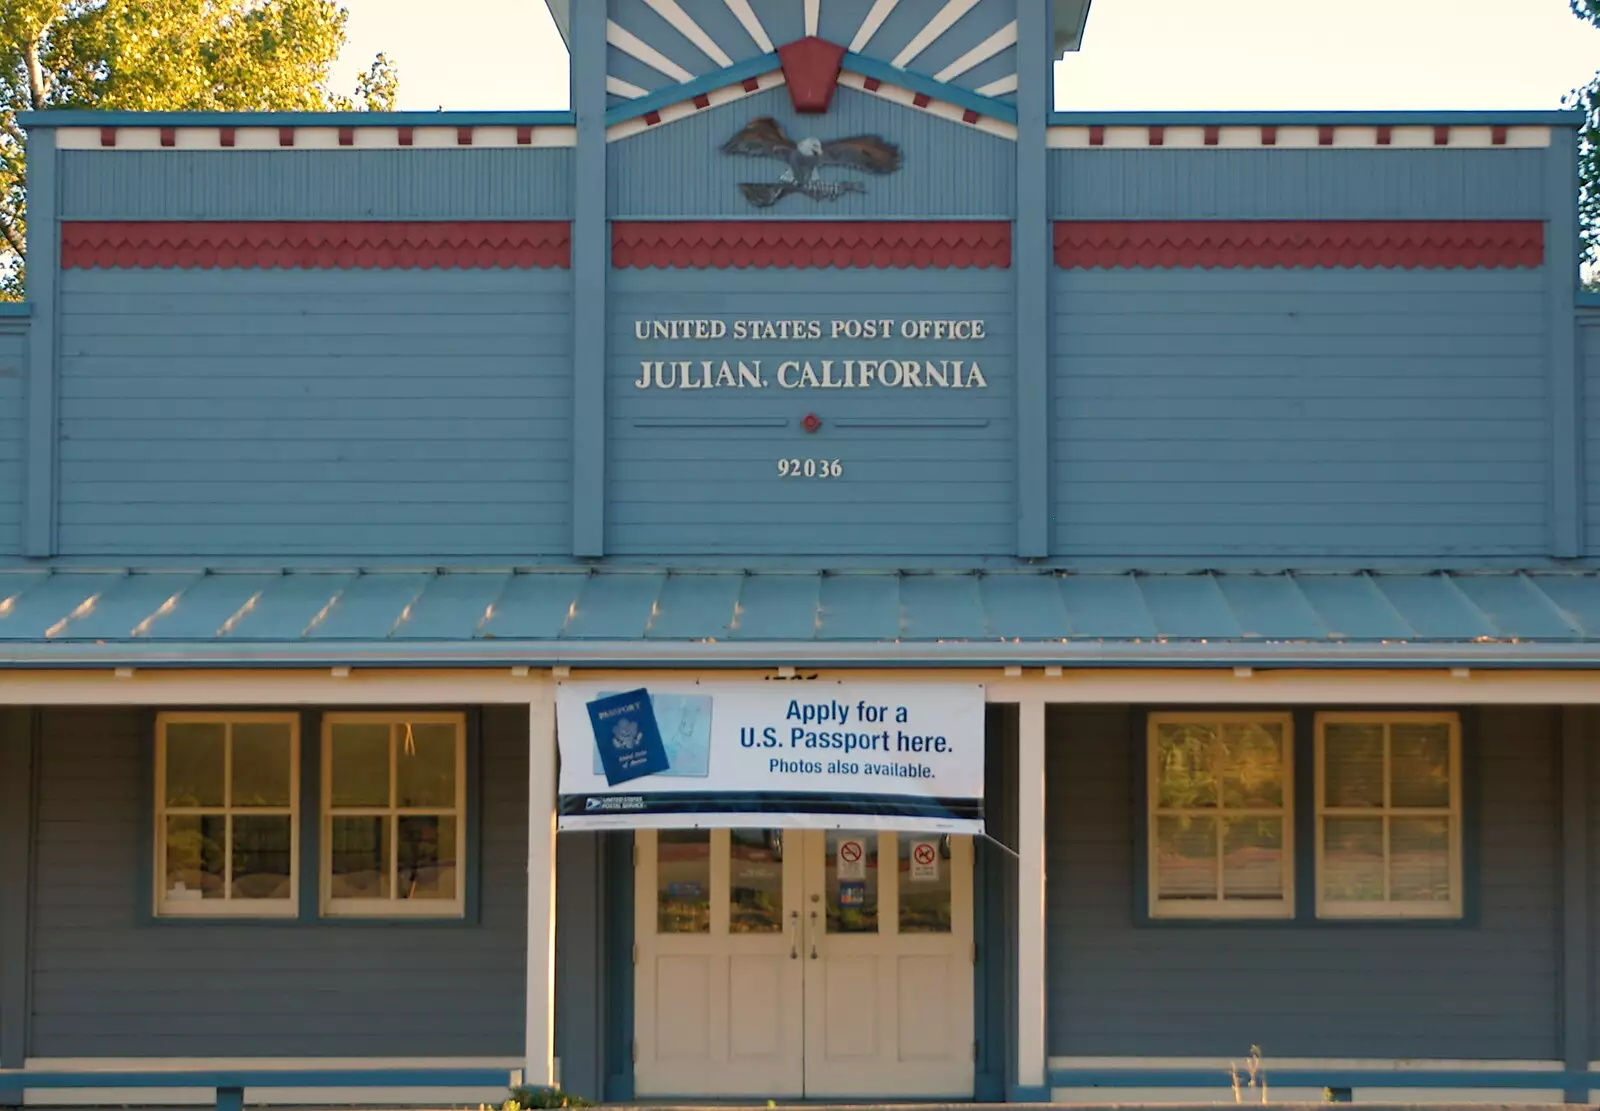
x: 175, y: 55
x: 1588, y: 99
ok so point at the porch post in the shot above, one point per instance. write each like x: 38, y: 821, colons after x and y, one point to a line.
x: 541, y: 1025
x: 1031, y: 1082
x: 1575, y: 894
x: 16, y: 884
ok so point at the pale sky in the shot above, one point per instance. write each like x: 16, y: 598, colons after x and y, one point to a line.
x: 1172, y: 55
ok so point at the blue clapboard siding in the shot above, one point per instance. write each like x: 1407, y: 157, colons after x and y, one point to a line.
x: 927, y: 472
x: 948, y: 170
x: 1315, y: 413
x: 1279, y: 184
x: 415, y: 184
x: 13, y: 371
x: 108, y: 983
x: 1589, y: 352
x: 1483, y: 990
x: 363, y: 412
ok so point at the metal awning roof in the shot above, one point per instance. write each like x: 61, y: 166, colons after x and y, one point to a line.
x: 655, y: 617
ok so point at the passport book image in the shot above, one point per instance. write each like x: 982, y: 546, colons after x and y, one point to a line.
x: 627, y: 737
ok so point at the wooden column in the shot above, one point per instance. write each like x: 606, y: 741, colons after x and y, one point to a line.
x: 1575, y: 989
x: 541, y: 998
x: 1031, y: 1081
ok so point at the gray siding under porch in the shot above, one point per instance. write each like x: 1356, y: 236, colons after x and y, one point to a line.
x: 110, y: 982
x: 1485, y: 989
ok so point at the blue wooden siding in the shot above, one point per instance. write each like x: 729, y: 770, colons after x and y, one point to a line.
x: 1281, y: 184
x: 927, y: 472
x: 106, y: 983
x: 1483, y: 990
x: 109, y: 982
x: 13, y: 374
x: 1589, y: 353
x: 950, y: 171
x: 416, y: 184
x: 342, y: 413
x: 1300, y: 413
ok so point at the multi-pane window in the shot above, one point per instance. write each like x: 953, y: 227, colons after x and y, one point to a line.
x: 226, y: 831
x: 393, y: 808
x: 1388, y: 815
x: 1220, y: 839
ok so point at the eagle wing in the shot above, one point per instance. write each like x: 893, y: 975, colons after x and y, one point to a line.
x: 762, y: 138
x: 870, y: 153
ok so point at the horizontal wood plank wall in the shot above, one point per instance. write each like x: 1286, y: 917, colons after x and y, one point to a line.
x: 1317, y: 413
x: 107, y: 982
x: 929, y: 472
x: 468, y: 184
x: 1279, y: 184
x: 13, y: 430
x: 1486, y: 990
x: 948, y: 171
x: 291, y: 413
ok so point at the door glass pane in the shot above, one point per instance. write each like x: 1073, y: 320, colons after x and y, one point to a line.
x: 851, y: 880
x: 683, y: 881
x: 196, y: 857
x: 1186, y: 858
x: 1419, y: 859
x: 261, y: 761
x: 1352, y: 859
x: 924, y: 884
x: 359, y: 857
x: 755, y: 881
x: 194, y: 763
x: 1419, y: 770
x: 1352, y: 754
x: 261, y: 852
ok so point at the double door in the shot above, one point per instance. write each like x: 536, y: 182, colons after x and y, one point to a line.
x: 803, y: 963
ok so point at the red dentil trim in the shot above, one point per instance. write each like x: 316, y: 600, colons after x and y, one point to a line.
x: 305, y: 245
x: 1250, y: 244
x: 808, y: 244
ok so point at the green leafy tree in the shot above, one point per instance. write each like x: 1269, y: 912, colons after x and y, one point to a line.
x: 1588, y: 99
x: 148, y: 55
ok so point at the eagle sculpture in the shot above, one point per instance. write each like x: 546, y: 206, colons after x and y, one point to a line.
x: 764, y: 138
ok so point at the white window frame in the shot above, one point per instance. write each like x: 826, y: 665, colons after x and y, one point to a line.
x: 1219, y: 907
x: 392, y: 907
x: 1341, y: 909
x: 228, y: 906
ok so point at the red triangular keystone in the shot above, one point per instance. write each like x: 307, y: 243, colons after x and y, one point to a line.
x: 811, y: 71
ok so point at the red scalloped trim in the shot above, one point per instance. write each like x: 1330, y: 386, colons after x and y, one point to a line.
x: 803, y: 245
x: 343, y: 245
x: 1403, y: 244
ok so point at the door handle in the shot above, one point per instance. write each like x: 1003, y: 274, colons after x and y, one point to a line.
x: 813, y: 935
x: 794, y: 930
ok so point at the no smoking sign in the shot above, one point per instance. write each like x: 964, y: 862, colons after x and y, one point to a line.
x: 852, y: 864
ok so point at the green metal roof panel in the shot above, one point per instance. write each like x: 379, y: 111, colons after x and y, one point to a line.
x: 778, y: 607
x: 695, y: 607
x: 942, y: 607
x: 859, y: 607
x: 197, y: 614
x: 208, y: 604
x: 48, y: 605
x: 286, y: 608
x: 452, y: 607
x: 123, y: 608
x: 534, y: 606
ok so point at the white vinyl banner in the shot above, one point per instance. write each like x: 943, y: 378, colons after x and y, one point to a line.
x: 783, y: 755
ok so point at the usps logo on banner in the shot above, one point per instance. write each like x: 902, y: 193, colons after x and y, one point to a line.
x: 905, y: 757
